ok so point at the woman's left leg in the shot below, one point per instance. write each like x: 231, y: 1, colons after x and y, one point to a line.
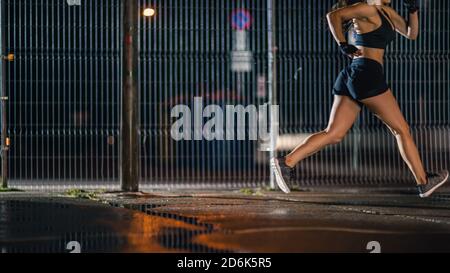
x: 386, y: 108
x: 343, y: 114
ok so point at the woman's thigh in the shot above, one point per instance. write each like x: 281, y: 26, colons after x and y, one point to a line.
x: 386, y: 108
x: 343, y: 115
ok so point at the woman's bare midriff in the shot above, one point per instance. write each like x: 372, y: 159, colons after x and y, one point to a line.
x: 371, y: 53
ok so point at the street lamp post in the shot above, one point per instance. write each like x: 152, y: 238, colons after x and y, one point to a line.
x: 5, y: 141
x: 4, y: 182
x: 129, y: 125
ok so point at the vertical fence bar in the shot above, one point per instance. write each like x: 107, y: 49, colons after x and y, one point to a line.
x: 270, y: 79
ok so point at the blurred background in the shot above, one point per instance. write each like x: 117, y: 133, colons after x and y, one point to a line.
x: 64, y: 90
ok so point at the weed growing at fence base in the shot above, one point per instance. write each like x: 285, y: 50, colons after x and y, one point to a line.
x: 9, y: 190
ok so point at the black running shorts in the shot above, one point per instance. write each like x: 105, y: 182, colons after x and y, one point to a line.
x: 363, y: 78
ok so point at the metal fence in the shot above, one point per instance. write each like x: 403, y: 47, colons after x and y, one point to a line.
x: 64, y: 92
x: 418, y: 72
x: 185, y: 53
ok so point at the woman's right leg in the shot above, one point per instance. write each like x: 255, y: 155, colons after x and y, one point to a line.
x: 343, y: 115
x: 386, y: 108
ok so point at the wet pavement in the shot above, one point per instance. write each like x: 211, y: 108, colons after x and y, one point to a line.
x: 315, y: 221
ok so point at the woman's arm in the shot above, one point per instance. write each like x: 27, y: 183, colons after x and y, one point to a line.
x: 408, y: 29
x: 338, y: 17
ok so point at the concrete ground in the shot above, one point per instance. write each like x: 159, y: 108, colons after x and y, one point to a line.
x: 319, y: 220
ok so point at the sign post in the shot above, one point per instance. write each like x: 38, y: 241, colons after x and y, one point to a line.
x: 271, y: 82
x: 241, y: 57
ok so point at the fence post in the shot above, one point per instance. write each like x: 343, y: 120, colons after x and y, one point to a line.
x: 129, y: 125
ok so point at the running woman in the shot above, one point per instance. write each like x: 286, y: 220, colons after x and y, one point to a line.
x: 363, y: 83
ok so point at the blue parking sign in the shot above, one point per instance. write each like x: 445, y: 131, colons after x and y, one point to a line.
x: 241, y: 19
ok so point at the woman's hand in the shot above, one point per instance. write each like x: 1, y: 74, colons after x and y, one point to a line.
x: 411, y: 5
x: 349, y: 50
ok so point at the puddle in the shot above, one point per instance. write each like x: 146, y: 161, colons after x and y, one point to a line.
x: 49, y: 227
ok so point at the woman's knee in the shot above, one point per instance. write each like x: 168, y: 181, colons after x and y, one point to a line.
x: 401, y: 130
x: 335, y: 136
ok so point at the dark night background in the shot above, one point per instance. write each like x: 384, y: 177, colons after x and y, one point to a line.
x: 64, y: 89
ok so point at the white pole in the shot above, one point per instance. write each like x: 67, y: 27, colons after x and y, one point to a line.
x: 270, y: 82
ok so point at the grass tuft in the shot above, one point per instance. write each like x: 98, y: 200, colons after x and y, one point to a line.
x: 9, y: 190
x: 83, y: 194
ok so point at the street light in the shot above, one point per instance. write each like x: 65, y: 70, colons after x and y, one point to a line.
x: 10, y: 57
x: 149, y: 12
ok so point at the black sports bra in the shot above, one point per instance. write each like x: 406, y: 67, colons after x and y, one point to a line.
x: 378, y: 38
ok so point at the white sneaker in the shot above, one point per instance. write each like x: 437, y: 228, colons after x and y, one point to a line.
x: 435, y: 181
x: 283, y: 174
